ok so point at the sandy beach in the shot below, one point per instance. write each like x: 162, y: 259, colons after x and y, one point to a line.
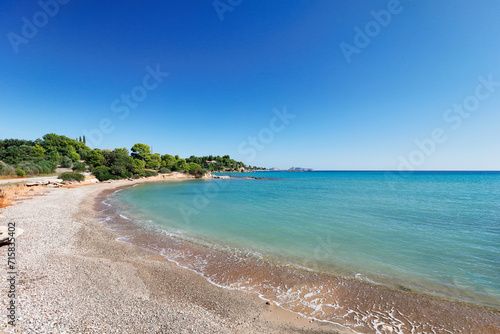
x: 73, y: 276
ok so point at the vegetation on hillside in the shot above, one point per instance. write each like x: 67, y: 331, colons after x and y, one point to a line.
x: 220, y: 164
x: 42, y: 156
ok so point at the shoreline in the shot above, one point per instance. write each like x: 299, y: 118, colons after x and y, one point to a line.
x: 74, y: 276
x: 442, y: 314
x: 147, y: 266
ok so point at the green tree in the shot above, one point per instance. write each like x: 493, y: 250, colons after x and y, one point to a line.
x: 119, y: 169
x: 72, y: 154
x: 95, y: 158
x: 64, y: 146
x: 83, y: 153
x: 102, y: 173
x: 138, y: 166
x: 122, y: 163
x: 153, y: 161
x: 13, y: 155
x: 195, y: 169
x: 139, y: 151
x: 38, y: 151
x: 181, y: 164
x: 25, y: 151
x: 54, y: 156
x: 168, y: 161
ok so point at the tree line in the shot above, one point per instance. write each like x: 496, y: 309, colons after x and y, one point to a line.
x: 42, y: 156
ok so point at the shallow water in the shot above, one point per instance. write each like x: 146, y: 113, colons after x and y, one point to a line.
x: 433, y: 233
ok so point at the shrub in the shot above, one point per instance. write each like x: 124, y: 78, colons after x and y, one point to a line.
x: 20, y: 172
x: 109, y: 176
x: 38, y: 167
x: 6, y: 169
x: 79, y: 166
x: 195, y: 169
x: 47, y: 167
x: 66, y: 162
x: 72, y: 176
x: 118, y: 169
x: 102, y: 173
x: 164, y: 170
x: 148, y: 173
x: 29, y: 167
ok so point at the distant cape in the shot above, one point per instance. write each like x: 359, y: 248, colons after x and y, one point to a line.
x: 300, y: 169
x: 293, y: 169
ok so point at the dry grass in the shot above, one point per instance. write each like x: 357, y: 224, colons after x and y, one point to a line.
x: 8, y: 177
x: 11, y: 191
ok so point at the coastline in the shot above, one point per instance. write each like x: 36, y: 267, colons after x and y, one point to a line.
x: 84, y: 280
x: 74, y: 276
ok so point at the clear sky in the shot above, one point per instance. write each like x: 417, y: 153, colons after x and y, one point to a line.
x: 356, y: 84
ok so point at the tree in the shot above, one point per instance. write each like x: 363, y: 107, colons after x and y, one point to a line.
x: 13, y: 155
x: 120, y: 162
x: 138, y: 166
x: 64, y: 146
x: 102, y: 173
x: 42, y: 156
x: 119, y: 169
x: 195, y: 169
x: 121, y: 151
x: 72, y: 154
x: 139, y: 151
x: 25, y: 151
x: 38, y: 151
x: 168, y: 161
x: 95, y: 158
x: 83, y: 153
x: 54, y: 156
x: 181, y: 165
x: 153, y: 161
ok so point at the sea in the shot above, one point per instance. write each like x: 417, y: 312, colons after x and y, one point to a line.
x: 373, y: 251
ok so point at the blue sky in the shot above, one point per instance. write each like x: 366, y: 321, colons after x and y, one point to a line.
x: 227, y: 79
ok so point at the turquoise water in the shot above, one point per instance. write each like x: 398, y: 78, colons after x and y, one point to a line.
x: 433, y: 232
